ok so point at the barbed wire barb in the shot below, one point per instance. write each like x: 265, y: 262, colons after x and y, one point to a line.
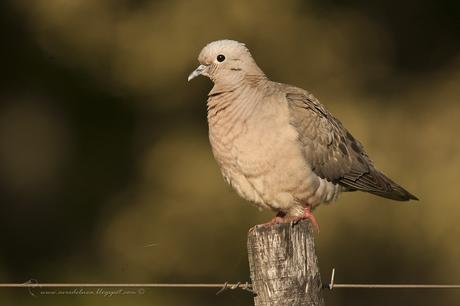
x: 33, y: 283
x: 332, y: 285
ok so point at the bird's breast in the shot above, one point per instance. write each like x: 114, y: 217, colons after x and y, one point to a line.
x: 259, y: 155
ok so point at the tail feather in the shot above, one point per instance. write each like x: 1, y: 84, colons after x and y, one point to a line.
x: 396, y: 191
x: 375, y: 182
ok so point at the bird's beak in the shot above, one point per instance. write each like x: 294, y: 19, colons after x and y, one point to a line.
x: 198, y: 71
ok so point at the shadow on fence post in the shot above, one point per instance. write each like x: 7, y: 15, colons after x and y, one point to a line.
x: 283, y: 264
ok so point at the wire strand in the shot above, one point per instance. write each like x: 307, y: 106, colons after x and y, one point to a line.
x: 33, y: 283
x: 231, y: 286
x: 332, y: 285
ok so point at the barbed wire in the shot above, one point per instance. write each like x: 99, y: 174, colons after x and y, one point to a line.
x: 33, y: 283
x: 332, y: 285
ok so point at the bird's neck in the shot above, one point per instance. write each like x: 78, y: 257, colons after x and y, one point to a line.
x: 238, y: 84
x: 229, y: 104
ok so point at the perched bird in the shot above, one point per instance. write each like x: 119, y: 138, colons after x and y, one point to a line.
x: 276, y: 144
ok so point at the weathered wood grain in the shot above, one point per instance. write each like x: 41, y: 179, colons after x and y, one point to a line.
x: 283, y: 264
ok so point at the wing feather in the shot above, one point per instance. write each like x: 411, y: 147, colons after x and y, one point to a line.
x: 333, y: 153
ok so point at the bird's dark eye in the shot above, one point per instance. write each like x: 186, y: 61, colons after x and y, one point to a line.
x: 221, y: 58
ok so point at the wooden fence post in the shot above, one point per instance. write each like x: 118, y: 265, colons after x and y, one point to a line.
x: 283, y: 264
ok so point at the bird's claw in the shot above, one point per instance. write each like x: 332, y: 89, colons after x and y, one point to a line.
x: 282, y: 218
x: 307, y: 215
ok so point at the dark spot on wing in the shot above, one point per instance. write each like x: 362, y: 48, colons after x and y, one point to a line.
x: 355, y: 147
x: 349, y: 136
x: 343, y: 149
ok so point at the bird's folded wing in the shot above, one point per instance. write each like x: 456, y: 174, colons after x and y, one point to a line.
x: 332, y: 152
x: 328, y: 147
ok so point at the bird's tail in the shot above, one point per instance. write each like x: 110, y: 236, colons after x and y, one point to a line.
x: 392, y: 190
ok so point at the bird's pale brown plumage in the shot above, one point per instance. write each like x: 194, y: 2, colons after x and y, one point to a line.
x: 276, y: 144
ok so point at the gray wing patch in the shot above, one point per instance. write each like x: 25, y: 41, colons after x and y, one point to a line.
x: 333, y: 153
x: 328, y: 147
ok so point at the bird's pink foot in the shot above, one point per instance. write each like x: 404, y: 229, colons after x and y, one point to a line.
x: 307, y: 214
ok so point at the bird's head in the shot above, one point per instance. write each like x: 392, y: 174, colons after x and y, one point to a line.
x: 225, y: 61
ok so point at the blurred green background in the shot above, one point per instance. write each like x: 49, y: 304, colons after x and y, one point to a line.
x: 106, y: 173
